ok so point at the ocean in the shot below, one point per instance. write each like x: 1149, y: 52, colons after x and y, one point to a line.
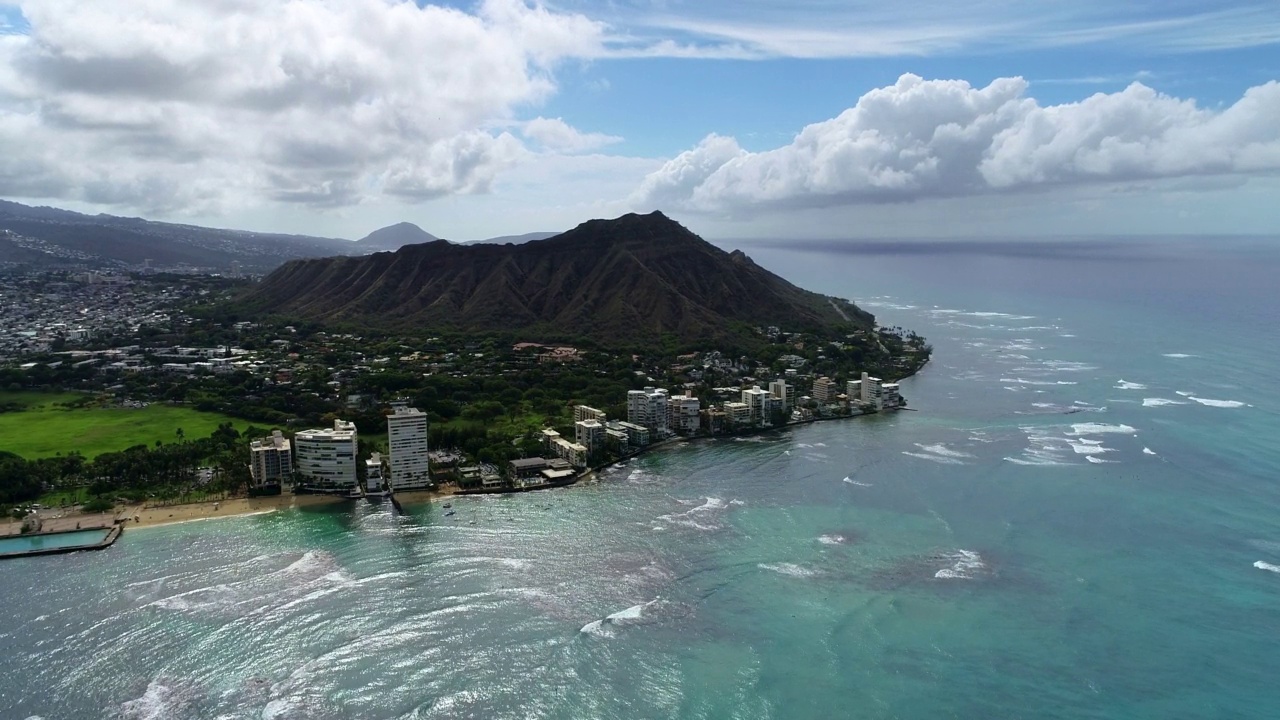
x: 1079, y: 518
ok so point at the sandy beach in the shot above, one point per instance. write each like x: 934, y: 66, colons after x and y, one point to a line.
x: 146, y: 515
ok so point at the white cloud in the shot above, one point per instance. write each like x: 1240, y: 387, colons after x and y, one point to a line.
x: 164, y: 105
x: 944, y: 138
x: 556, y: 135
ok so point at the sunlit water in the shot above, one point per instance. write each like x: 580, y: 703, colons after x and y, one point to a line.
x: 1082, y: 519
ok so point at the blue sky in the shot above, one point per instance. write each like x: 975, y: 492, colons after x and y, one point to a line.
x: 740, y: 118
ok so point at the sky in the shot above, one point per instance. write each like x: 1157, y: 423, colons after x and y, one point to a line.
x: 809, y: 119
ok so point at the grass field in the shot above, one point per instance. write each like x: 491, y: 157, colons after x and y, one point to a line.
x: 43, y: 429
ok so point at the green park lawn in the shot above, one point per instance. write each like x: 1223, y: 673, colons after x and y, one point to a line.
x: 43, y: 429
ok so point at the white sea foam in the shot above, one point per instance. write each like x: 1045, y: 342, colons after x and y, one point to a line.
x: 935, y: 458
x: 1099, y: 461
x: 160, y: 701
x: 1148, y: 451
x: 1159, y: 402
x: 631, y: 613
x: 790, y: 569
x: 597, y: 628
x: 703, y: 517
x: 1216, y: 403
x: 964, y: 565
x: 832, y: 539
x: 1022, y: 381
x: 1100, y: 428
x: 1267, y: 566
x: 1126, y: 385
x: 851, y: 481
x: 1178, y: 356
x: 1085, y: 447
x: 943, y: 450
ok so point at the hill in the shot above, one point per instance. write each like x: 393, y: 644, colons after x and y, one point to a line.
x: 514, y: 239
x: 394, y: 237
x: 633, y: 279
x: 50, y: 237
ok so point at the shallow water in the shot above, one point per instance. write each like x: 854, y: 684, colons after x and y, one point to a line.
x: 1039, y: 539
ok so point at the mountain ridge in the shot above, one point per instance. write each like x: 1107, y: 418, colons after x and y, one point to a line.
x: 632, y: 278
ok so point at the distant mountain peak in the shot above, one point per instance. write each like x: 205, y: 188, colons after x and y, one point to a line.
x: 394, y: 237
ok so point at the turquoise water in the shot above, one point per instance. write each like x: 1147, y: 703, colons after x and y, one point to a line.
x: 1082, y: 520
x: 28, y: 543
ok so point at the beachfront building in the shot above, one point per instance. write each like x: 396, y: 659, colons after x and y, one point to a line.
x: 649, y: 408
x: 407, y: 440
x: 737, y: 413
x: 782, y: 391
x: 871, y: 391
x: 824, y: 390
x: 375, y: 480
x: 754, y: 398
x: 327, y: 459
x: 686, y: 414
x: 889, y: 396
x: 584, y: 412
x: 526, y: 468
x: 572, y: 452
x: 589, y: 434
x: 637, y: 435
x: 853, y: 391
x: 271, y: 460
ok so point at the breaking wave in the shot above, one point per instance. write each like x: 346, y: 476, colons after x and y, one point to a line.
x: 1100, y: 428
x: 1215, y: 403
x: 965, y: 565
x: 1267, y: 566
x: 790, y: 569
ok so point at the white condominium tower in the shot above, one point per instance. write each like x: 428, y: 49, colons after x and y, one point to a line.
x: 407, y: 440
x: 327, y: 458
x: 271, y: 462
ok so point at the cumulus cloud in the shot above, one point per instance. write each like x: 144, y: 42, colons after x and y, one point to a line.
x: 164, y: 105
x: 944, y: 138
x: 556, y: 135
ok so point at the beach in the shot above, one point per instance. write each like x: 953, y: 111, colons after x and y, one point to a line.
x: 147, y: 514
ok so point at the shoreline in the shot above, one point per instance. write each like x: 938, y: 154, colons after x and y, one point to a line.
x: 145, y: 515
x: 155, y: 516
x: 590, y: 474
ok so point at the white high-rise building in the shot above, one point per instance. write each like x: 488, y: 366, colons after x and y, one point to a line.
x: 638, y: 407
x: 685, y: 415
x: 589, y: 434
x: 407, y: 441
x: 871, y: 391
x: 753, y: 398
x: 649, y: 407
x: 327, y: 458
x: 271, y: 460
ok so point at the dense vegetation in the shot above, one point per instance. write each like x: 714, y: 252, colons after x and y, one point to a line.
x: 160, y: 472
